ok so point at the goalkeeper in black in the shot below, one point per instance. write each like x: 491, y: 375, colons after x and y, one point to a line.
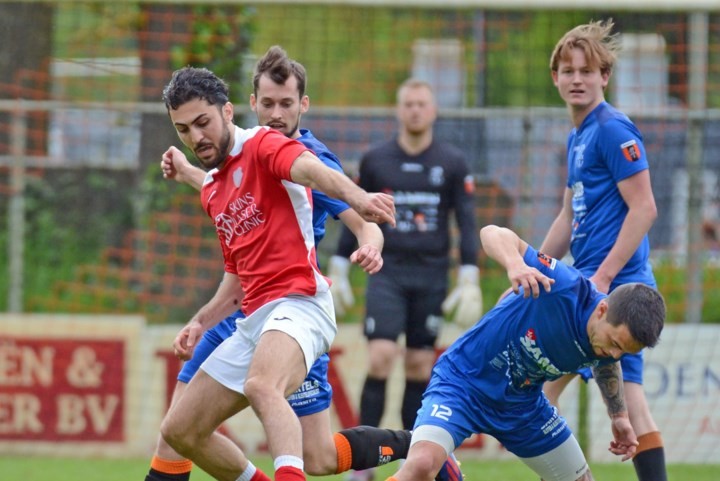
x: 429, y: 180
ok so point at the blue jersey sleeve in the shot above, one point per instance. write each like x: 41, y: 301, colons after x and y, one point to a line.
x: 323, y: 205
x: 622, y: 147
x: 551, y: 267
x: 322, y: 201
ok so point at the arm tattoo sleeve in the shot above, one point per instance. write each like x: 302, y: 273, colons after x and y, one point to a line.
x: 609, y: 380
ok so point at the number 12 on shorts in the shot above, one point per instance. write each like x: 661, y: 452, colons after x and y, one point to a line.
x: 440, y: 411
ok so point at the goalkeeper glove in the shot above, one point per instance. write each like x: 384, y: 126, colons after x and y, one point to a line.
x: 338, y: 271
x: 466, y: 298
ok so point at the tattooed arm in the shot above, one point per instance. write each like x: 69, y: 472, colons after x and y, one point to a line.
x: 609, y: 380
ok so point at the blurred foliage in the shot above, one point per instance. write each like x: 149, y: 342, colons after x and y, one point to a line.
x: 221, y: 35
x: 346, y: 67
x: 100, y: 29
x: 57, y: 239
x: 671, y: 277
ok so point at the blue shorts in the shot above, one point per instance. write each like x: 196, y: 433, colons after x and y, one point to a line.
x: 210, y: 340
x: 313, y: 396
x: 526, y: 430
x: 632, y: 368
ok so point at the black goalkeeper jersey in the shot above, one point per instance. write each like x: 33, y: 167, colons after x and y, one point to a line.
x: 426, y: 188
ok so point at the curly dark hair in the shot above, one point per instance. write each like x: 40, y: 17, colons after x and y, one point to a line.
x: 190, y: 83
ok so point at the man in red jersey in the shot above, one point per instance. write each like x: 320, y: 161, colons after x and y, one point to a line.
x: 257, y: 192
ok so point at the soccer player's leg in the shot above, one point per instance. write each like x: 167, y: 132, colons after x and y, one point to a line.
x: 649, y: 459
x: 296, y: 331
x: 359, y: 448
x: 450, y: 470
x: 311, y: 403
x: 424, y: 324
x: 166, y: 464
x: 190, y: 426
x: 425, y: 319
x: 385, y: 320
x: 214, y: 394
x: 541, y: 438
x: 442, y: 423
x: 364, y: 447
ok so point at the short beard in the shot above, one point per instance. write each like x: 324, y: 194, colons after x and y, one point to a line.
x: 223, y: 151
x: 291, y: 133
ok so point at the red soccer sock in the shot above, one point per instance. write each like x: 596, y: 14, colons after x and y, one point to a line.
x: 289, y: 473
x: 260, y: 476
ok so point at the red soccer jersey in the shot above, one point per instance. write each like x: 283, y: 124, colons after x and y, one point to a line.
x: 263, y: 219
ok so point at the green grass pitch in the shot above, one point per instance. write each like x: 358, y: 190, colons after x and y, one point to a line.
x: 33, y: 468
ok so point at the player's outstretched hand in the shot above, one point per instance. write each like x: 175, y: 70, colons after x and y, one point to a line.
x: 530, y: 279
x: 175, y: 165
x: 376, y: 207
x: 186, y: 339
x: 368, y: 257
x: 625, y: 442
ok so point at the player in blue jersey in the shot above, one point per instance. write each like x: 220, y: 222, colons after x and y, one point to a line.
x: 608, y: 206
x: 490, y: 379
x: 279, y: 101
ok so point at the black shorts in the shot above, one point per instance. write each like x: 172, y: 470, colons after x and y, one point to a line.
x: 406, y: 299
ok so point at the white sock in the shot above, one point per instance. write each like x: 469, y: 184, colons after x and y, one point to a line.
x: 288, y: 460
x: 248, y: 473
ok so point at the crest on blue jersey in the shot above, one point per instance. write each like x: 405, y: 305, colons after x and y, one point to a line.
x: 547, y: 261
x: 631, y: 151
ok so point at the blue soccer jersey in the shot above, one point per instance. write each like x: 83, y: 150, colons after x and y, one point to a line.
x: 604, y: 150
x: 490, y: 380
x: 522, y: 342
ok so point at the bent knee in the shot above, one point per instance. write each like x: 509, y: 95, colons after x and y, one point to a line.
x: 256, y: 390
x: 176, y: 437
x: 319, y: 463
x: 421, y: 468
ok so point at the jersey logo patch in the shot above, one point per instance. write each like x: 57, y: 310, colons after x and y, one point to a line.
x: 630, y: 150
x: 547, y: 261
x: 237, y: 177
x: 437, y: 175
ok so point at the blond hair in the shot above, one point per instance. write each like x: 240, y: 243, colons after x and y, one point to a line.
x: 595, y: 40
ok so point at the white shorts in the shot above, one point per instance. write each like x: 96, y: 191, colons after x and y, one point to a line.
x: 307, y: 319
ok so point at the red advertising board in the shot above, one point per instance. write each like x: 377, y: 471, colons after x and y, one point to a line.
x: 61, y: 389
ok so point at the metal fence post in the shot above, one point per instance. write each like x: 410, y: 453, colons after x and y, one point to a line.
x: 16, y: 211
x: 696, y: 100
